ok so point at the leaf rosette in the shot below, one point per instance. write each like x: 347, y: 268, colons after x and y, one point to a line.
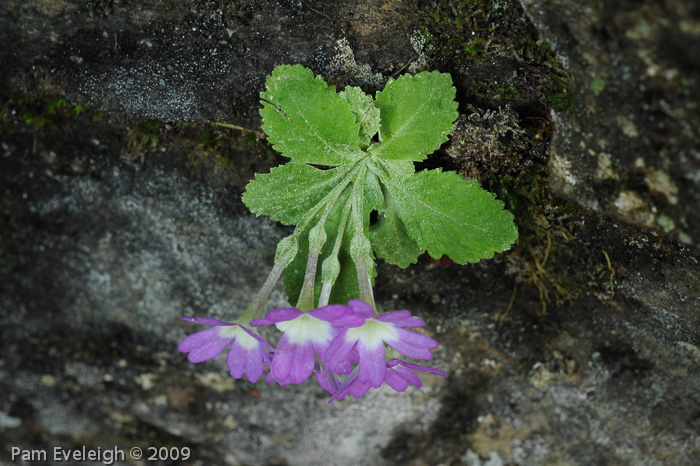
x: 351, y: 154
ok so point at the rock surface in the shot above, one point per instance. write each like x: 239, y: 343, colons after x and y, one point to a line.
x: 630, y: 144
x: 580, y: 346
x: 193, y: 61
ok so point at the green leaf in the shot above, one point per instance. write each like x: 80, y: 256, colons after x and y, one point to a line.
x: 439, y: 212
x: 373, y: 195
x: 389, y: 238
x: 289, y: 191
x: 308, y: 121
x: 417, y: 114
x: 366, y: 113
x: 391, y: 167
x: 447, y: 214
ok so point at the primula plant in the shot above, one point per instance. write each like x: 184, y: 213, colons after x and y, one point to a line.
x: 351, y: 155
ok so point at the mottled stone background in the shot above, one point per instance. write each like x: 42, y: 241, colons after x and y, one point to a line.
x: 120, y: 212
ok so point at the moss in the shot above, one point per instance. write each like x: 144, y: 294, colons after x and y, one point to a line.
x: 489, y: 143
x: 666, y: 223
x: 598, y: 85
x: 143, y: 137
x: 542, y: 259
x: 212, y: 150
x: 514, y: 81
x: 38, y: 112
x: 493, y: 94
x: 563, y: 99
x: 461, y: 31
x: 209, y: 149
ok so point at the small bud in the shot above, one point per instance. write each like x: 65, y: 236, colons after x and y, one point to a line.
x: 330, y: 269
x: 286, y: 250
x: 317, y: 238
x: 361, y: 250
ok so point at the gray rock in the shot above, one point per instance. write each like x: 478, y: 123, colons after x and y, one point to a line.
x: 629, y: 146
x: 580, y: 346
x: 197, y: 61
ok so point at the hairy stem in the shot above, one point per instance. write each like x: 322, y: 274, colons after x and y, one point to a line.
x: 255, y: 309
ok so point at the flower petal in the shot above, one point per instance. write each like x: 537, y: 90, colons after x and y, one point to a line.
x: 275, y: 316
x: 344, y: 389
x: 372, y: 365
x: 413, y: 344
x: 345, y: 367
x: 254, y: 364
x: 235, y: 360
x: 198, y: 339
x: 361, y: 308
x: 325, y: 379
x: 282, y: 360
x: 338, y: 351
x: 338, y: 315
x: 351, y: 386
x: 257, y: 337
x: 401, y: 319
x: 359, y: 388
x: 408, y: 375
x: 416, y: 339
x: 210, y: 350
x: 307, y: 328
x: 396, y: 381
x: 303, y: 362
x: 415, y: 367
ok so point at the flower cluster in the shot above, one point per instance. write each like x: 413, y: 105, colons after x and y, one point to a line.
x: 330, y: 341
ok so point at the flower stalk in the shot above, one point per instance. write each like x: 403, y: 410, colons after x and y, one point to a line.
x: 317, y: 238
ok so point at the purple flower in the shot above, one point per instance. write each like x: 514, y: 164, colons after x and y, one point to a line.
x: 368, y: 340
x: 304, y: 333
x: 399, y: 375
x: 325, y: 379
x: 247, y: 355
